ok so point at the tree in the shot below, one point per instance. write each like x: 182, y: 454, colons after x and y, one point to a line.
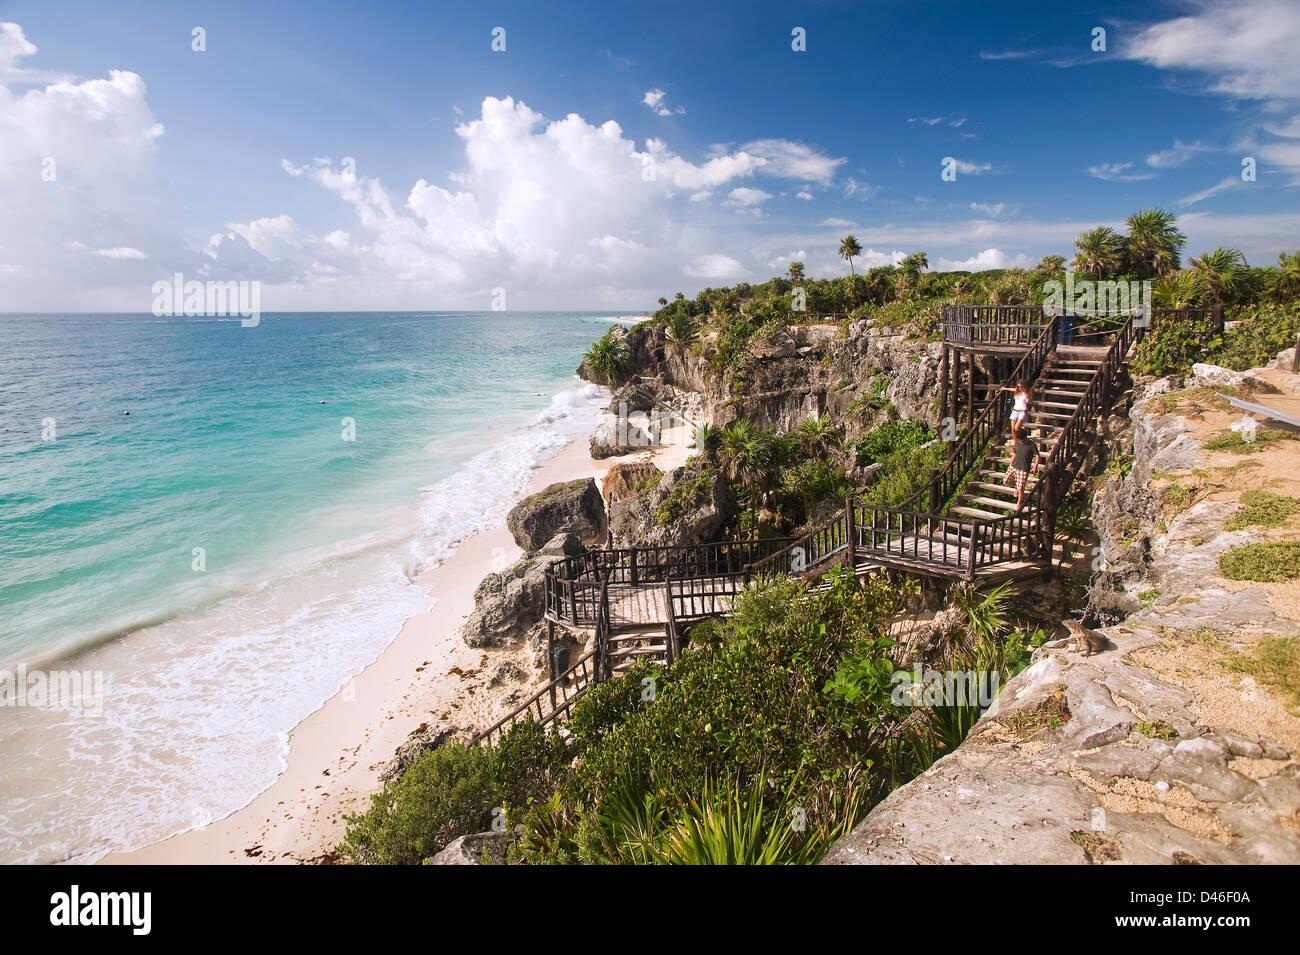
x: 681, y: 333
x: 605, y: 357
x: 1051, y: 264
x: 1286, y: 277
x: 795, y: 272
x: 747, y: 452
x: 815, y: 436
x: 1154, y: 246
x: 1176, y: 290
x: 1219, y: 275
x: 913, y: 265
x: 1100, y: 252
x: 850, y: 248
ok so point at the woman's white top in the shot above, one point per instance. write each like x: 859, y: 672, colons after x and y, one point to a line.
x: 1022, y: 402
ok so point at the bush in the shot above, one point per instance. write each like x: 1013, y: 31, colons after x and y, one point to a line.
x: 1264, y: 509
x: 1172, y: 346
x: 453, y: 790
x: 1259, y: 337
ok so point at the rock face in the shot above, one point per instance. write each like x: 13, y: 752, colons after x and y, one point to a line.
x: 508, y: 604
x: 785, y: 377
x: 622, y: 479
x: 471, y: 849
x: 690, y: 505
x: 1215, y: 375
x: 1059, y: 770
x: 424, y: 738
x: 573, y: 508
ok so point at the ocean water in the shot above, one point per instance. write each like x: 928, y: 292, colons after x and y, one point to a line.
x: 244, y: 541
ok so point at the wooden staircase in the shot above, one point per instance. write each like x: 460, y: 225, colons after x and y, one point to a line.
x: 1056, y: 395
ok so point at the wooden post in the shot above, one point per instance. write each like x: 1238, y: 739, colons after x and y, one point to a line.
x: 550, y: 657
x: 970, y: 389
x: 970, y: 554
x: 633, y: 570
x: 851, y: 532
x: 956, y: 386
x: 943, y: 379
x: 934, y: 490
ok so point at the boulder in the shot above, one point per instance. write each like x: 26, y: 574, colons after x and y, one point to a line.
x: 507, y: 605
x: 690, y: 505
x: 573, y: 508
x: 622, y: 480
x: 611, y: 440
x: 1207, y: 374
x: 562, y: 545
x: 471, y: 849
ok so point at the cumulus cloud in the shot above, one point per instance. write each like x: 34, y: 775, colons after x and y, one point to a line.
x: 654, y: 98
x: 988, y: 259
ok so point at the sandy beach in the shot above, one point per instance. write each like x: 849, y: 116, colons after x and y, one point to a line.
x: 427, y: 675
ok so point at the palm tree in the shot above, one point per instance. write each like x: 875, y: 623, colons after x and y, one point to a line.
x: 1219, y: 275
x: 1154, y: 245
x: 747, y: 455
x: 850, y: 248
x: 1051, y: 264
x: 795, y: 272
x: 1100, y: 252
x: 815, y: 436
x: 913, y: 265
x: 1286, y: 277
x: 1176, y: 290
x: 605, y: 358
x: 708, y: 439
x: 681, y: 333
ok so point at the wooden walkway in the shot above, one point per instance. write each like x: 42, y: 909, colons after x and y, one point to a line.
x: 964, y: 525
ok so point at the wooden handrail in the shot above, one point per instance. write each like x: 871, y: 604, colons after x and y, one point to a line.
x: 534, y: 701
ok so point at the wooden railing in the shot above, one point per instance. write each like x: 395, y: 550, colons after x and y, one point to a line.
x: 987, y: 426
x: 569, y: 686
x: 993, y: 324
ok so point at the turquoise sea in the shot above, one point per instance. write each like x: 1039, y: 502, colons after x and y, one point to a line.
x: 225, y: 522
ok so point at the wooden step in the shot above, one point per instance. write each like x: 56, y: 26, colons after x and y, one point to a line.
x: 971, y: 500
x: 976, y: 513
x: 992, y: 488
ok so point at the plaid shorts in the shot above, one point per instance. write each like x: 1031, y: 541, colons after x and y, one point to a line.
x: 1017, y: 478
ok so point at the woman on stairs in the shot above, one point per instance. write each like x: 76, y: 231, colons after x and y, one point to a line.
x: 1020, y: 407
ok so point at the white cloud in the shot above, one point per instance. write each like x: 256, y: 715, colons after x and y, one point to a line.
x: 803, y: 194
x: 837, y: 223
x: 988, y: 259
x: 13, y: 47
x: 995, y: 209
x: 1247, y: 46
x: 1218, y: 187
x: 716, y: 267
x: 744, y: 197
x: 858, y: 190
x: 793, y: 160
x: 654, y: 98
x: 1117, y: 172
x: 971, y: 168
x: 1176, y: 155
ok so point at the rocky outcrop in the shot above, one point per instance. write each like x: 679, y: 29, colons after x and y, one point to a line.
x: 690, y: 505
x: 573, y: 508
x: 787, y: 376
x: 508, y: 604
x: 1092, y: 759
x: 623, y: 479
x: 477, y: 848
x: 424, y: 738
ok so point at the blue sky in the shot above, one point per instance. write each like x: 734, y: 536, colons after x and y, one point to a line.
x: 467, y: 176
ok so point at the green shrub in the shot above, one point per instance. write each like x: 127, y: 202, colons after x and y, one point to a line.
x: 453, y: 790
x: 1267, y: 561
x: 1259, y: 337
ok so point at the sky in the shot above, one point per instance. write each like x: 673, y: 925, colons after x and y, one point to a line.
x: 599, y: 156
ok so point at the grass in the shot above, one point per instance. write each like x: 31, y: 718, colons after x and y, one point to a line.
x: 1156, y: 729
x: 1266, y: 561
x: 1237, y: 444
x: 1276, y: 660
x: 1264, y: 509
x: 1098, y: 847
